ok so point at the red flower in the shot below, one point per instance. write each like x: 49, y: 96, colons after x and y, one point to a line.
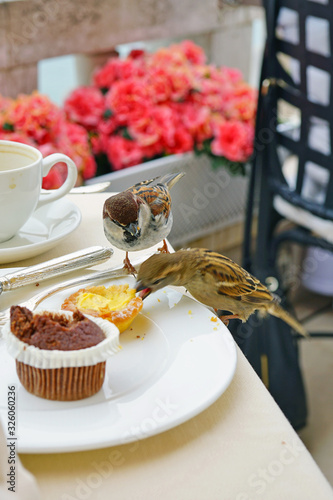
x: 119, y: 69
x: 182, y: 141
x: 85, y: 106
x: 36, y: 116
x: 193, y: 53
x: 168, y: 102
x: 128, y: 99
x: 234, y: 140
x: 242, y: 104
x: 17, y: 137
x: 123, y: 153
x: 197, y: 120
x: 144, y: 129
x: 76, y: 145
x: 169, y: 83
x: 56, y: 177
x: 136, y: 54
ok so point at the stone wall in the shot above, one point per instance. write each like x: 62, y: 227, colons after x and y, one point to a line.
x: 33, y: 30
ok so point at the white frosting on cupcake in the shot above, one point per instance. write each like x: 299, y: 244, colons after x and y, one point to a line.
x: 43, y: 358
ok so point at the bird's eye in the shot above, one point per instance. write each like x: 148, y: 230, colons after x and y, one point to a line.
x: 156, y: 282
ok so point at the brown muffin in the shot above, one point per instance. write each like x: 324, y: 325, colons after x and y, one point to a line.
x: 60, y: 355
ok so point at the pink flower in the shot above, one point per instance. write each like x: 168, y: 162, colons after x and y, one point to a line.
x: 233, y: 140
x: 128, y: 99
x: 160, y: 85
x: 90, y: 168
x: 136, y: 54
x: 119, y: 69
x: 167, y: 58
x: 35, y: 120
x: 197, y: 120
x: 55, y: 178
x: 193, y: 53
x: 36, y: 116
x: 123, y: 153
x: 78, y: 149
x: 85, y: 106
x: 157, y: 104
x: 73, y: 142
x: 234, y: 75
x: 48, y: 149
x: 226, y: 76
x: 145, y: 130
x: 210, y: 94
x: 17, y: 137
x: 4, y: 103
x: 242, y: 104
x: 107, y: 126
x: 182, y: 142
x: 175, y: 83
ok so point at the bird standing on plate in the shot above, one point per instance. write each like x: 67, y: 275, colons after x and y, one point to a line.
x: 214, y: 280
x: 140, y: 216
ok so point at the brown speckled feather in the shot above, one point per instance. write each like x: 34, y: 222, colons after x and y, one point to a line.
x: 232, y: 279
x: 157, y: 197
x: 155, y: 192
x: 214, y: 280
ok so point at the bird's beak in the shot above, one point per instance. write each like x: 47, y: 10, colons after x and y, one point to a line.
x: 140, y: 287
x: 133, y: 229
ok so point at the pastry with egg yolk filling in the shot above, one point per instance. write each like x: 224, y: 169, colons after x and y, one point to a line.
x: 116, y: 303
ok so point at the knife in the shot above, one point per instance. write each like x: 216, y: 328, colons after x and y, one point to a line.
x: 91, y: 188
x: 55, y: 267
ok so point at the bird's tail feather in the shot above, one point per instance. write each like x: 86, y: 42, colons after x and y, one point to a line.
x: 278, y: 311
x: 170, y: 179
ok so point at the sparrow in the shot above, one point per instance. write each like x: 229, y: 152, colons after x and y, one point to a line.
x: 140, y: 216
x: 214, y: 280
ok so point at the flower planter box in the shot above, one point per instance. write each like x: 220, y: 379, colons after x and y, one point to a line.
x: 203, y: 202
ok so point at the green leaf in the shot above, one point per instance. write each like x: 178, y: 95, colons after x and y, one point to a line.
x: 235, y: 168
x: 125, y: 133
x: 205, y: 148
x: 107, y: 114
x: 8, y: 126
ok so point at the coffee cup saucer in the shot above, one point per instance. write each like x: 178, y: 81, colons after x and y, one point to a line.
x: 46, y: 228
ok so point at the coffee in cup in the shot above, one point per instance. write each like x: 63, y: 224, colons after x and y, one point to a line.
x: 22, y: 169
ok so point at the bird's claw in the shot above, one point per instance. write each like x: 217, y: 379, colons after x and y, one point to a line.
x: 164, y: 248
x: 225, y: 318
x: 128, y: 266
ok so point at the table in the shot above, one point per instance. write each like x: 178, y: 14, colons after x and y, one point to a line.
x: 240, y: 448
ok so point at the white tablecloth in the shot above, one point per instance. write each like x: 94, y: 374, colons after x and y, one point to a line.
x: 240, y: 448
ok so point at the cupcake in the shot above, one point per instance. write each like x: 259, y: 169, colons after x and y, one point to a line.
x: 117, y: 303
x: 60, y: 355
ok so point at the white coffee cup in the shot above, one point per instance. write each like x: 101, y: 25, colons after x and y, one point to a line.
x: 22, y: 169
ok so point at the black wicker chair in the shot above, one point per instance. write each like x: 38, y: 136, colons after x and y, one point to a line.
x: 292, y: 176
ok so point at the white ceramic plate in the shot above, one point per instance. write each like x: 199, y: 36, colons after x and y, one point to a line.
x: 46, y: 228
x: 177, y: 359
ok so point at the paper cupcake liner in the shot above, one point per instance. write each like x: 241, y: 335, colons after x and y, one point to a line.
x: 47, y: 359
x: 62, y: 384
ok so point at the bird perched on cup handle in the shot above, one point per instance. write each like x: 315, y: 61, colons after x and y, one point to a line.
x: 141, y: 216
x: 214, y: 280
